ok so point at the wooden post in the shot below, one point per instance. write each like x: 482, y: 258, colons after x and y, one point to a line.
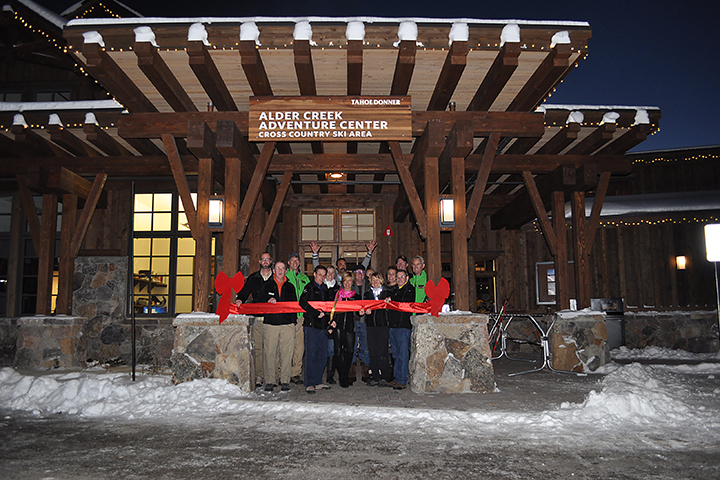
x: 562, y: 287
x: 67, y: 257
x: 582, y: 274
x: 432, y: 210
x: 231, y: 246
x: 203, y: 279
x: 46, y: 254
x: 14, y: 277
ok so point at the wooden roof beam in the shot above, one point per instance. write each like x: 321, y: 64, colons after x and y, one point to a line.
x: 207, y: 73
x: 497, y: 77
x: 481, y: 181
x: 114, y: 79
x: 11, y: 149
x: 162, y: 78
x: 131, y: 165
x: 459, y: 144
x: 201, y: 143
x: 404, y: 67
x: 546, y: 76
x: 254, y: 69
x: 28, y: 139
x: 102, y: 140
x: 304, y: 67
x: 58, y: 180
x: 409, y: 188
x: 522, y: 145
x: 276, y: 209
x: 181, y: 183
x: 634, y: 136
x: 354, y: 67
x: 67, y: 140
x: 429, y: 145
x: 565, y: 178
x: 450, y: 74
x: 83, y: 222
x: 600, y: 136
x: 564, y: 137
x: 231, y: 144
x: 258, y: 177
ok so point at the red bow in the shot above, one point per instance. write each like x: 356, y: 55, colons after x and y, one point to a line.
x: 437, y: 295
x: 224, y: 286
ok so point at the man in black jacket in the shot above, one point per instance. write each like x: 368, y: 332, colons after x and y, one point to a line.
x: 254, y: 290
x: 400, y: 331
x: 315, y: 331
x: 279, y: 329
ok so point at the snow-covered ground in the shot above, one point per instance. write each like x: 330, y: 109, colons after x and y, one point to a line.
x: 624, y: 423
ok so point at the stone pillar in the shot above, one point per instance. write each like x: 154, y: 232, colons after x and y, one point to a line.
x: 205, y: 348
x: 451, y: 354
x: 45, y: 342
x: 578, y: 341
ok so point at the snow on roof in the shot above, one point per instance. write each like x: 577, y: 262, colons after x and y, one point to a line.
x: 616, y: 205
x: 51, y: 17
x: 210, y: 20
x: 59, y: 106
x: 547, y: 106
x: 673, y: 150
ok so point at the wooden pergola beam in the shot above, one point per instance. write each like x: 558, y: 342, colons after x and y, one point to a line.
x: 546, y: 76
x: 9, y: 148
x: 564, y: 137
x: 181, y: 183
x: 67, y: 140
x: 497, y: 77
x: 208, y: 75
x: 28, y: 139
x: 30, y: 212
x: 162, y: 77
x: 450, y: 74
x: 87, y: 213
x: 404, y: 67
x: 201, y: 143
x: 536, y: 200
x: 102, y: 140
x: 600, y: 136
x: 354, y: 67
x: 114, y: 79
x: 254, y: 69
x: 304, y: 67
x: 409, y: 188
x: 256, y: 182
x: 275, y: 210
x: 58, y: 180
x: 481, y: 181
x: 113, y: 166
x: 634, y: 136
x: 522, y: 145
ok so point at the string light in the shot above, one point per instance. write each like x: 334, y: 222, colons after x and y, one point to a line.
x: 707, y: 156
x: 651, y: 223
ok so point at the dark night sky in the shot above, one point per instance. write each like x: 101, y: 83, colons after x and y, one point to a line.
x: 642, y: 53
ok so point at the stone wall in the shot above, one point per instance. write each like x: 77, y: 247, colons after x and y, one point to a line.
x: 205, y: 348
x: 578, y: 341
x: 45, y: 342
x: 450, y: 354
x: 8, y: 341
x: 694, y: 331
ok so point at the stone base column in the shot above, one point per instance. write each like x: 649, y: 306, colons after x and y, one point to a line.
x: 451, y: 354
x: 45, y: 342
x: 205, y: 348
x: 578, y: 341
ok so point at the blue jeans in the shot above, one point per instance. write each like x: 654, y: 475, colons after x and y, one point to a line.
x: 315, y: 355
x: 361, y: 344
x: 400, y: 345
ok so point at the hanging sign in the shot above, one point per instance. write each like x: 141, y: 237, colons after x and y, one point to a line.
x: 330, y: 119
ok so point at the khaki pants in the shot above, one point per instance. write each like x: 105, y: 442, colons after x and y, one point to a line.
x: 257, y: 338
x: 278, y: 339
x: 299, y: 349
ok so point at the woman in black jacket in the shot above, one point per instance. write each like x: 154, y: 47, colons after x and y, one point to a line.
x: 343, y: 330
x: 378, y: 333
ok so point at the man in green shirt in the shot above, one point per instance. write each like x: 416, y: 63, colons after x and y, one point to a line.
x: 419, y: 278
x: 298, y: 279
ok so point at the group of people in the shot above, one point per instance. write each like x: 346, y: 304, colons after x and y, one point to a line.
x: 331, y: 340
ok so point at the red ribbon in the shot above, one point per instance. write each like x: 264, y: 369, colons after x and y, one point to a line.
x: 437, y: 294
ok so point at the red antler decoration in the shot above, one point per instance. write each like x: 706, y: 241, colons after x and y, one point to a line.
x: 224, y: 286
x: 437, y: 295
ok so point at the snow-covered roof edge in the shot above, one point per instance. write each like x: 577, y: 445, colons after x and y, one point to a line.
x: 595, y: 107
x: 210, y: 20
x: 654, y: 203
x: 671, y: 150
x: 51, y: 17
x: 59, y: 106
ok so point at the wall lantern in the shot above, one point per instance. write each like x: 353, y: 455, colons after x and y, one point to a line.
x: 447, y: 212
x: 335, y: 177
x: 217, y: 212
x: 680, y: 262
